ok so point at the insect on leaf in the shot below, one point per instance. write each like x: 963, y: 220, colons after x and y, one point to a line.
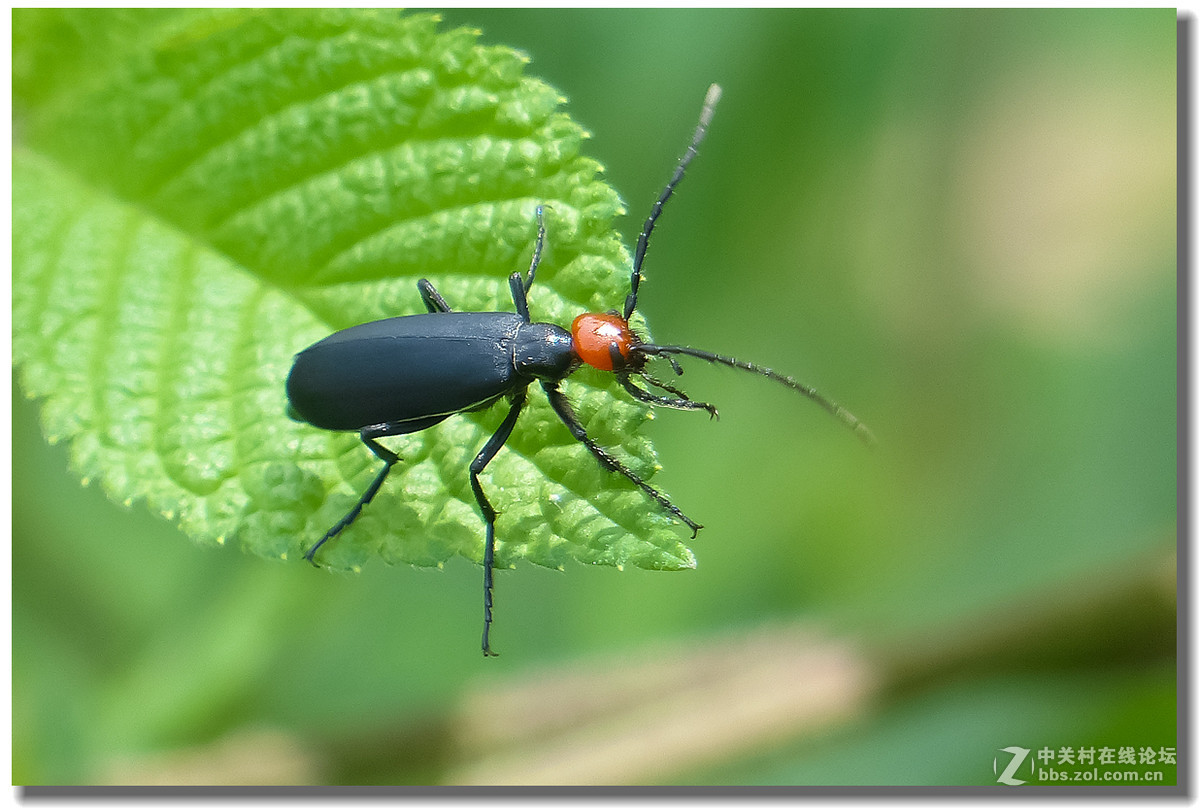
x: 198, y: 195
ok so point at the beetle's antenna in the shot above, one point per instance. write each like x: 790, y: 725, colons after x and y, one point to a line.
x: 841, y: 413
x: 706, y: 114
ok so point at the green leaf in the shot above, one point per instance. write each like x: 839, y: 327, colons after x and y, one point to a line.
x: 199, y: 195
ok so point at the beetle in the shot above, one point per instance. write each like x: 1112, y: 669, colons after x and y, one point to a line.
x: 405, y: 374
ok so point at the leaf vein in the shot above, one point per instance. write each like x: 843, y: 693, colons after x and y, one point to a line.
x: 196, y: 91
x: 43, y: 283
x: 272, y: 120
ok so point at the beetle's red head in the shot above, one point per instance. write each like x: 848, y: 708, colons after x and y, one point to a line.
x: 594, y: 335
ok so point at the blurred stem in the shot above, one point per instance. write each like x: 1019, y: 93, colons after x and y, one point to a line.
x: 1111, y: 619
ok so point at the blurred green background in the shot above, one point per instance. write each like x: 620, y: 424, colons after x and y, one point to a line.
x: 959, y: 224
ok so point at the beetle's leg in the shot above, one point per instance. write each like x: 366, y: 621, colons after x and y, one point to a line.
x: 489, y: 514
x: 682, y: 403
x: 563, y: 408
x: 663, y: 401
x: 658, y: 383
x: 520, y: 284
x: 389, y: 458
x: 518, y: 295
x: 537, y: 248
x: 433, y: 299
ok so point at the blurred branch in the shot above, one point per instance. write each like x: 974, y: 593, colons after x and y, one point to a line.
x: 632, y: 720
x: 1121, y: 615
x: 248, y: 757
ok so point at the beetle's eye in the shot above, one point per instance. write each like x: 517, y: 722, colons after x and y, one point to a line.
x: 593, y: 334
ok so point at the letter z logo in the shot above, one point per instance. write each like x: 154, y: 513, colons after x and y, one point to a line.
x: 1019, y: 754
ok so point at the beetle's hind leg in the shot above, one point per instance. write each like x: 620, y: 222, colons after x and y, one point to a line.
x: 389, y: 458
x: 433, y: 299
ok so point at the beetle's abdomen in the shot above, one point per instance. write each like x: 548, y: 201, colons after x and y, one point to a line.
x: 404, y: 369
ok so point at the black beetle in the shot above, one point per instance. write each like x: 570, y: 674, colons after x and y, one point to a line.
x: 405, y: 374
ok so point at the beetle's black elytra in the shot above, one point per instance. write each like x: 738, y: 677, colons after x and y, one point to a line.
x: 405, y: 374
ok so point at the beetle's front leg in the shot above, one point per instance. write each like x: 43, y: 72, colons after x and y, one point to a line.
x: 567, y: 415
x: 433, y: 299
